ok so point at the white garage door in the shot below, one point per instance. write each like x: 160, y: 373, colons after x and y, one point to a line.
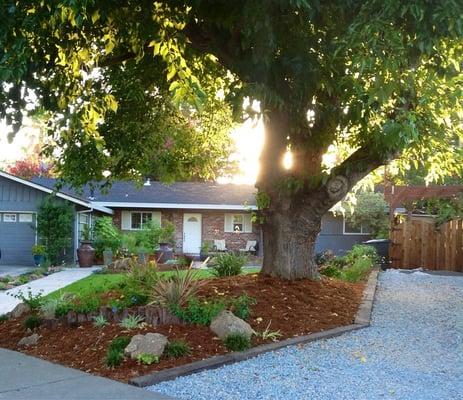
x: 17, y: 236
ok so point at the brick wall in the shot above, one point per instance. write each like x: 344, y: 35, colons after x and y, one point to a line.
x: 213, y: 227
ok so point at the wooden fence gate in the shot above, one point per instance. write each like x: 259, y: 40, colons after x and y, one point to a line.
x: 419, y: 243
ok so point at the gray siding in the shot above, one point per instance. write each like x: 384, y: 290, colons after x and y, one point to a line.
x: 17, y: 197
x: 17, y: 239
x: 332, y: 237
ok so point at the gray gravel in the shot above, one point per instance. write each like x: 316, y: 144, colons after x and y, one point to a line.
x: 413, y: 350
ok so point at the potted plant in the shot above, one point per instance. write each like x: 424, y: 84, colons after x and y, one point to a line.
x: 38, y: 251
x: 204, y: 250
x: 86, y: 253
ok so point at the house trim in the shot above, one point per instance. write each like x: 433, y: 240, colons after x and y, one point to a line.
x: 185, y: 206
x: 57, y: 194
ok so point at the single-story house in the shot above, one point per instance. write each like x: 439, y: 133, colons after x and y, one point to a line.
x: 200, y: 211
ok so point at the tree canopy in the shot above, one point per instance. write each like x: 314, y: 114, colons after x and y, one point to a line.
x: 383, y: 77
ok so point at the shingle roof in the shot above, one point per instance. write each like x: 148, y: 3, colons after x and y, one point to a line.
x: 205, y: 193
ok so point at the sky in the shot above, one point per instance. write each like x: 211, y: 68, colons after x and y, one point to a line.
x: 248, y: 137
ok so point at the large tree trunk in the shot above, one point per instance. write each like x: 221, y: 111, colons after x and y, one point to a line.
x: 292, y: 203
x: 289, y: 242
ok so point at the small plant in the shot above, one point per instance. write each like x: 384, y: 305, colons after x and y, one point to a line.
x: 357, y: 271
x: 100, y: 321
x: 49, y: 307
x: 119, y: 343
x: 267, y: 334
x: 38, y: 250
x: 3, y: 317
x: 115, y: 354
x: 198, y: 312
x: 228, y: 264
x: 131, y: 322
x: 177, y: 348
x: 113, y: 358
x: 241, y: 306
x: 34, y: 301
x: 32, y: 322
x: 330, y: 271
x: 237, y: 342
x: 147, y: 358
x: 86, y: 304
x: 176, y: 290
x: 141, y: 278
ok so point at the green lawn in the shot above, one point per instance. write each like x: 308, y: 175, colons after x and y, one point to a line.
x: 97, y: 283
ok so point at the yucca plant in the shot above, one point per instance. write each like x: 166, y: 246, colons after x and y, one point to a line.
x: 131, y: 322
x: 177, y: 289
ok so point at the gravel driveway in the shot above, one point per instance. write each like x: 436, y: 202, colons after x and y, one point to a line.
x: 413, y: 350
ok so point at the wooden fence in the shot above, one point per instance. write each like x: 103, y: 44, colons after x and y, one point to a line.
x: 419, y: 243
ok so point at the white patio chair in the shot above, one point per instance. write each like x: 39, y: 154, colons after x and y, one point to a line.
x: 219, y: 245
x: 250, y: 246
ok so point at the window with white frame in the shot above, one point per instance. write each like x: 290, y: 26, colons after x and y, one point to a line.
x: 25, y: 218
x: 138, y: 220
x: 9, y: 217
x: 238, y: 223
x: 350, y: 229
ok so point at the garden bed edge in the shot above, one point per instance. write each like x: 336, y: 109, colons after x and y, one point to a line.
x: 362, y: 320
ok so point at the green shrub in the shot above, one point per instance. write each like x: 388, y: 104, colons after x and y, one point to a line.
x: 147, y: 358
x: 32, y: 322
x: 106, y: 236
x: 177, y: 348
x: 50, y: 306
x: 86, y: 304
x: 362, y: 251
x: 358, y: 271
x: 3, y: 317
x: 199, y: 312
x: 228, y: 264
x: 241, y: 306
x: 114, y: 358
x: 140, y: 280
x: 331, y: 271
x: 34, y: 301
x: 54, y: 227
x: 237, y: 342
x: 119, y: 343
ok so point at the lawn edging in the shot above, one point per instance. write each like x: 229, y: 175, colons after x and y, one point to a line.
x: 362, y: 320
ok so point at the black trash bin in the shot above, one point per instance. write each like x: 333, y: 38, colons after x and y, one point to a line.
x: 382, y: 248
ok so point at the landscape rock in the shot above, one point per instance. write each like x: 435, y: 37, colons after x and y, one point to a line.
x: 29, y: 340
x: 151, y: 343
x: 227, y: 323
x: 20, y: 310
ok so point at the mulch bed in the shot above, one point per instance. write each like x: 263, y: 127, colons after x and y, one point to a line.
x: 294, y: 308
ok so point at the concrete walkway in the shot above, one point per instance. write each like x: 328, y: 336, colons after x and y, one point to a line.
x: 44, y: 285
x: 27, y: 378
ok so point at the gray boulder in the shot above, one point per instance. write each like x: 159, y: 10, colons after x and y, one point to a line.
x: 151, y: 343
x: 29, y: 340
x: 227, y: 323
x: 19, y: 310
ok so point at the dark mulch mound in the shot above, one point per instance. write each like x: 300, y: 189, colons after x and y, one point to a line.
x: 293, y: 308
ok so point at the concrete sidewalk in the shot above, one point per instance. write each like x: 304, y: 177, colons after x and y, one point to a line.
x: 44, y: 285
x: 27, y: 378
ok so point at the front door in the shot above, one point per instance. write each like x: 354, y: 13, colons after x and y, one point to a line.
x: 191, y: 233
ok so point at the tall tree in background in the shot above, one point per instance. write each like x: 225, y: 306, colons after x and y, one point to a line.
x: 383, y: 76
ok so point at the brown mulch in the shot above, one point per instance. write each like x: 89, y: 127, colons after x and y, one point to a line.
x: 294, y: 308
